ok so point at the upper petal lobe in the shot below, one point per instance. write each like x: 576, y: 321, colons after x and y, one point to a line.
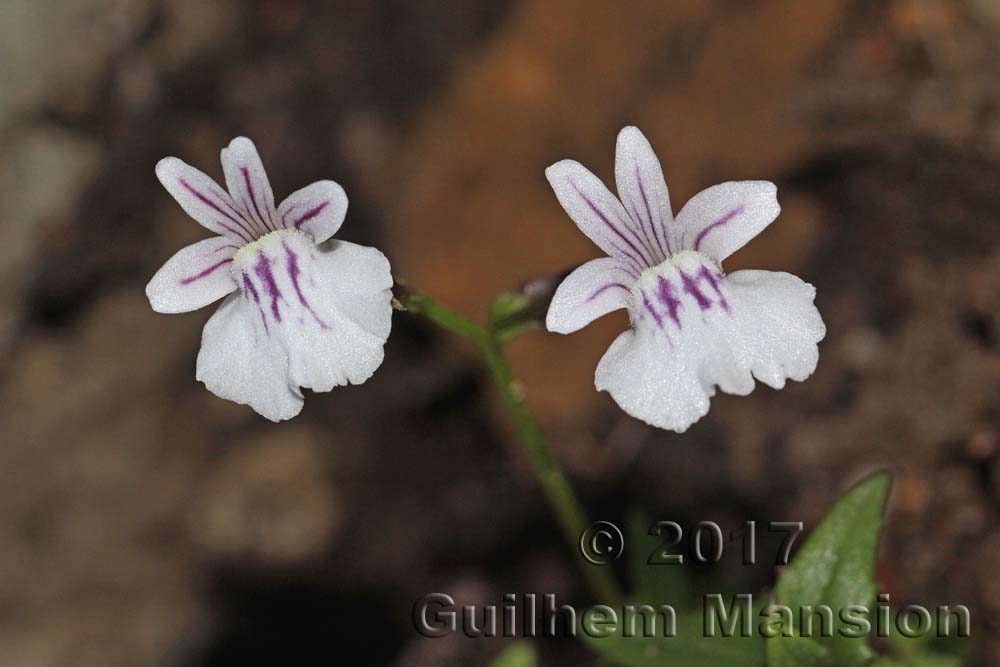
x: 722, y: 219
x: 248, y: 183
x: 599, y: 214
x: 318, y: 209
x: 643, y: 191
x: 203, y: 199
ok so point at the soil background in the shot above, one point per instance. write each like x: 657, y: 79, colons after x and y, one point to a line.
x: 145, y: 522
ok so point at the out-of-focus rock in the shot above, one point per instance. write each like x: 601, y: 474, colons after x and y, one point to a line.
x: 269, y: 502
x: 45, y: 170
x: 54, y: 52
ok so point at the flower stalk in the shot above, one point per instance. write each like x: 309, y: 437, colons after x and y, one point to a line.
x: 488, y: 339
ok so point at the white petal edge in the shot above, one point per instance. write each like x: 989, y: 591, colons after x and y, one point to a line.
x: 248, y: 183
x: 194, y: 277
x: 204, y: 200
x: 318, y: 209
x: 643, y: 190
x: 592, y: 290
x: 354, y: 294
x: 598, y: 213
x: 720, y: 220
x: 240, y: 364
x: 772, y: 336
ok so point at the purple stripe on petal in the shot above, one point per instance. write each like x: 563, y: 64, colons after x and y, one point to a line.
x: 605, y: 288
x: 263, y: 270
x: 641, y: 239
x: 639, y: 256
x: 248, y: 286
x: 310, y: 214
x: 247, y: 235
x: 293, y: 273
x: 253, y: 197
x: 667, y: 252
x: 198, y: 276
x: 718, y: 223
x: 284, y: 216
x: 691, y: 287
x: 713, y: 280
x: 652, y: 311
x: 666, y: 295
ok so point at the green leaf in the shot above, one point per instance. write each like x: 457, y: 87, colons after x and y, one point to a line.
x: 689, y: 648
x: 920, y: 660
x: 655, y: 584
x: 796, y: 652
x: 836, y: 566
x: 519, y: 654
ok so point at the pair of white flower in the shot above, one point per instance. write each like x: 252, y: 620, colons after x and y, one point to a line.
x: 304, y: 311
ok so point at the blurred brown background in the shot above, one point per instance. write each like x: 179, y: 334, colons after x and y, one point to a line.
x: 145, y: 522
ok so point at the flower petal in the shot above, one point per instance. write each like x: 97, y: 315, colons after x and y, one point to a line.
x: 318, y: 209
x: 706, y: 331
x: 194, y: 277
x: 722, y: 219
x: 592, y: 290
x: 353, y: 295
x: 599, y: 214
x: 204, y: 200
x: 240, y: 363
x: 643, y: 191
x: 248, y: 183
x: 309, y: 316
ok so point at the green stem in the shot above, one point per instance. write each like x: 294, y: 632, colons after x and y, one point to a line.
x: 572, y: 518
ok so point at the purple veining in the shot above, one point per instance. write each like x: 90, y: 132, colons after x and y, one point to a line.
x: 253, y: 197
x: 263, y: 270
x: 718, y: 223
x: 691, y: 287
x: 638, y: 253
x: 284, y: 223
x: 604, y: 289
x: 628, y: 224
x: 652, y: 311
x: 293, y: 273
x: 247, y: 235
x: 713, y: 280
x: 248, y: 286
x: 198, y: 276
x: 310, y: 214
x: 666, y: 252
x: 665, y: 293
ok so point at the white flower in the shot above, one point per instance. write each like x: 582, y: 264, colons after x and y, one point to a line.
x: 693, y: 327
x: 301, y: 310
